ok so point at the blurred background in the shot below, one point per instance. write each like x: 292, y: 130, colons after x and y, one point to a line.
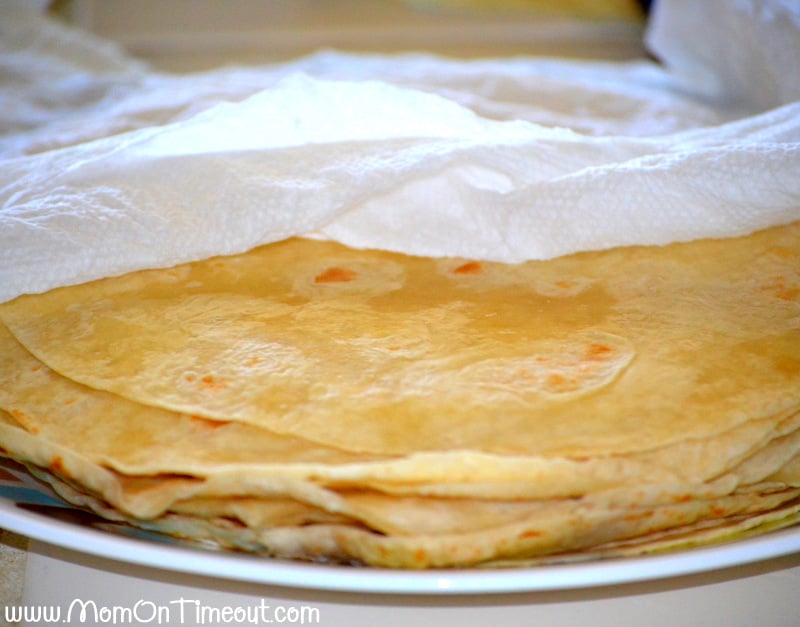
x: 187, y: 35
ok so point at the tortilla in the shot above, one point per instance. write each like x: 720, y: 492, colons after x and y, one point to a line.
x: 588, y: 355
x: 547, y: 535
x: 429, y: 525
x: 309, y: 401
x: 135, y: 439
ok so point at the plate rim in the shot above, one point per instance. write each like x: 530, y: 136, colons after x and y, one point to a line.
x: 340, y: 578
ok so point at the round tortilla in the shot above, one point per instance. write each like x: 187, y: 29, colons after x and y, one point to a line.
x: 594, y: 354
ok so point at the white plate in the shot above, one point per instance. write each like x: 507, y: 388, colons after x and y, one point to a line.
x: 164, y: 555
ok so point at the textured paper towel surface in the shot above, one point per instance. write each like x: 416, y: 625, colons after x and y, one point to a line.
x: 107, y: 167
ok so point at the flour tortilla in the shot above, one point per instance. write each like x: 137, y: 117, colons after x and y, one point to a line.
x: 151, y: 496
x: 148, y: 497
x: 309, y: 401
x: 381, y: 530
x: 138, y: 440
x: 589, y: 355
x: 734, y: 528
x: 508, y: 545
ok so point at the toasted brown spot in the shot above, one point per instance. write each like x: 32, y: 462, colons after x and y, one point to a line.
x: 35, y: 368
x: 252, y: 362
x: 57, y: 467
x: 24, y: 420
x: 638, y: 516
x: 190, y: 377
x: 556, y: 380
x: 471, y: 267
x: 210, y: 382
x: 530, y: 533
x: 207, y: 423
x: 564, y: 284
x: 19, y: 415
x: 780, y: 290
x: 597, y: 350
x: 335, y: 275
x: 420, y: 555
x: 787, y: 293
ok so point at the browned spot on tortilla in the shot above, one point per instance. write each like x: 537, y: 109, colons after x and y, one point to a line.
x: 597, y: 350
x: 210, y: 382
x: 19, y: 415
x: 787, y: 293
x: 530, y: 533
x: 638, y: 516
x: 57, y: 467
x: 335, y: 275
x: 471, y: 267
x: 556, y: 380
x: 780, y: 290
x: 24, y: 420
x: 208, y: 424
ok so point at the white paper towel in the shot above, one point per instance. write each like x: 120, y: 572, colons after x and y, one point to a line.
x: 113, y: 168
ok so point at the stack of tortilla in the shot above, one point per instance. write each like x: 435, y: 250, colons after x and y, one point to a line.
x: 306, y: 400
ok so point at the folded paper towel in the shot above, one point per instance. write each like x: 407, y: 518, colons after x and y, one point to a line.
x: 117, y: 168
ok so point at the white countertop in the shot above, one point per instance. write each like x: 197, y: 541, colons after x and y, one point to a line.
x: 13, y: 554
